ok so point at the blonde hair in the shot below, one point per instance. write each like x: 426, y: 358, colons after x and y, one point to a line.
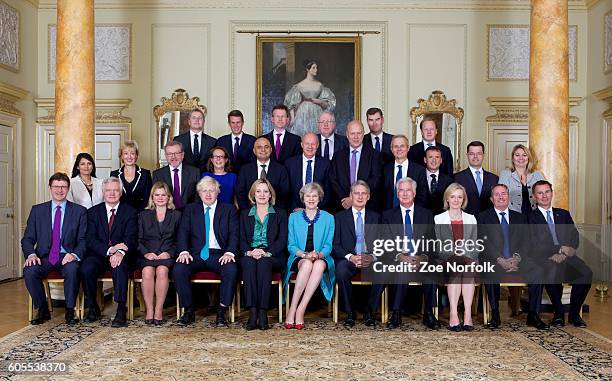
x: 166, y: 188
x: 128, y: 144
x: 254, y: 188
x: 450, y: 189
x: 312, y: 187
x: 207, y: 180
x: 530, y: 160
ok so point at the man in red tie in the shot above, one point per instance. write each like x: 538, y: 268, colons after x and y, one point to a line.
x: 54, y: 240
x: 284, y: 143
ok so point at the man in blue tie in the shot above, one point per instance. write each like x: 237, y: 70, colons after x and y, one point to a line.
x: 399, y: 168
x: 476, y: 181
x: 54, y: 240
x: 207, y: 240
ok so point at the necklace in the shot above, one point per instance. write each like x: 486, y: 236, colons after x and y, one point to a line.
x: 308, y: 220
x: 84, y: 183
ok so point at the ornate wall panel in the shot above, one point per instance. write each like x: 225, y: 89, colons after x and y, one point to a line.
x: 9, y: 37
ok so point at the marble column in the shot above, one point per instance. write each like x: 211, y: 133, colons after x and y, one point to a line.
x: 74, y: 82
x: 549, y: 94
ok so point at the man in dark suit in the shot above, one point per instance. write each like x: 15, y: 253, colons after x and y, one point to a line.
x: 284, y: 143
x: 476, y: 181
x: 54, y: 240
x: 112, y: 239
x: 437, y: 182
x: 429, y: 131
x: 208, y: 246
x: 196, y: 143
x: 555, y: 240
x: 263, y: 168
x: 399, y: 168
x: 237, y: 143
x: 353, y: 238
x: 505, y: 237
x: 380, y: 141
x: 329, y: 141
x: 180, y: 177
x: 415, y: 223
x: 356, y: 162
x: 306, y: 168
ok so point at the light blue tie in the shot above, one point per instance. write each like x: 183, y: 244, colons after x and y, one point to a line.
x: 506, y: 233
x: 478, y: 182
x: 551, y: 227
x: 408, y: 232
x: 204, y: 252
x: 359, y: 244
x: 397, y: 178
x: 308, y: 172
x: 429, y: 145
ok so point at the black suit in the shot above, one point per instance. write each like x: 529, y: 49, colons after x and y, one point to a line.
x: 207, y: 142
x: 370, y: 171
x: 136, y: 194
x: 435, y: 200
x: 245, y: 150
x: 477, y: 203
x: 189, y: 179
x: 99, y: 240
x: 155, y: 237
x: 257, y: 273
x: 191, y: 237
x: 573, y: 269
x: 276, y: 174
x: 385, y: 146
x: 340, y: 142
x: 417, y: 154
x: 38, y: 238
x: 320, y: 175
x: 290, y: 146
x: 415, y: 172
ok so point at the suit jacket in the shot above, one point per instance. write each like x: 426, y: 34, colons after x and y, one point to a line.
x: 435, y: 200
x: 155, y: 237
x: 138, y: 196
x: 542, y: 244
x: 370, y: 170
x: 422, y: 225
x: 79, y: 195
x: 385, y: 146
x: 415, y: 172
x: 275, y: 173
x: 444, y: 232
x: 490, y: 227
x: 477, y: 203
x: 207, y: 142
x: 345, y: 237
x: 125, y: 229
x: 245, y: 150
x: 320, y: 175
x: 276, y: 232
x: 515, y: 187
x: 38, y: 234
x: 189, y: 179
x: 417, y: 154
x: 191, y: 235
x: 290, y: 147
x: 340, y: 142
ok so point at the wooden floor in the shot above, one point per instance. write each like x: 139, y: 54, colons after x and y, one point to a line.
x: 14, y: 310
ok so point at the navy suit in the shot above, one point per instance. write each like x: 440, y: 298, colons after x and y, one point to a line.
x: 290, y: 147
x: 189, y: 179
x: 276, y: 174
x: 207, y: 142
x: 245, y: 150
x: 477, y: 203
x: 385, y: 146
x: 136, y: 194
x: 340, y: 142
x: 415, y: 172
x: 191, y: 237
x: 320, y: 175
x: 96, y: 263
x: 417, y: 154
x: 37, y: 239
x: 435, y: 200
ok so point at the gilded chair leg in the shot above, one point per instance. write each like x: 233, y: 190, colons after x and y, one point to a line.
x: 131, y: 299
x: 280, y: 301
x: 178, y: 307
x: 435, y: 309
x: 385, y: 305
x: 30, y: 308
x: 48, y: 294
x: 287, y: 301
x: 485, y: 307
x: 141, y: 304
x: 238, y: 298
x: 335, y: 303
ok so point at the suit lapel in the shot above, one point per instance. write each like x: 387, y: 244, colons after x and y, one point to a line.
x: 67, y: 217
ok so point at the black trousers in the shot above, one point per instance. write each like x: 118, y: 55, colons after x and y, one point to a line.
x: 182, y: 272
x: 574, y: 271
x: 257, y: 275
x: 529, y: 272
x: 34, y: 275
x: 345, y: 271
x: 93, y: 267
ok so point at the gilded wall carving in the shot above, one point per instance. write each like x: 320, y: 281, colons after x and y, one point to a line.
x: 9, y: 37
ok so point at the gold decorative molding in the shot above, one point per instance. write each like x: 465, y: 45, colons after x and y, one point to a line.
x: 9, y: 95
x: 179, y: 101
x: 516, y: 109
x: 606, y: 96
x: 108, y: 110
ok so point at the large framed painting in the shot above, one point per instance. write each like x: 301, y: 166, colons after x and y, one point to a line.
x: 309, y: 75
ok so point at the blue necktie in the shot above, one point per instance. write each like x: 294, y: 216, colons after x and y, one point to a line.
x: 397, y: 178
x: 308, y: 172
x: 196, y: 146
x: 326, y: 149
x: 551, y: 227
x: 478, y: 182
x: 429, y: 145
x: 377, y: 145
x: 408, y: 232
x: 505, y: 227
x: 359, y: 244
x: 204, y: 252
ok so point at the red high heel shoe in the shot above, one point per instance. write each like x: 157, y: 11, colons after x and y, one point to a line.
x: 289, y: 325
x: 299, y: 326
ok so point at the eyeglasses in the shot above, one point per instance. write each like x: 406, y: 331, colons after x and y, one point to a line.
x: 58, y: 187
x: 174, y: 154
x: 218, y: 157
x: 327, y: 122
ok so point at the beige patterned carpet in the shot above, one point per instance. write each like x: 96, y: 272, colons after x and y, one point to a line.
x: 323, y: 351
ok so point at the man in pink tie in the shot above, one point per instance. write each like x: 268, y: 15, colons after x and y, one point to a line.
x: 54, y: 240
x: 284, y: 143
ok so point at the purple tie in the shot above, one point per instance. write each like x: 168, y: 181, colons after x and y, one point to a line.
x: 236, y: 148
x: 55, y: 243
x: 277, y: 146
x: 176, y: 191
x: 354, y: 167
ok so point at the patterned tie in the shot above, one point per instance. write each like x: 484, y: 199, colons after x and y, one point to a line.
x: 353, y: 166
x: 506, y: 233
x: 277, y: 146
x: 429, y: 145
x: 359, y: 243
x: 326, y: 149
x: 397, y: 178
x: 551, y: 227
x: 236, y: 146
x: 263, y: 173
x: 433, y: 186
x: 204, y: 251
x: 377, y: 144
x: 55, y: 242
x: 308, y: 172
x: 408, y: 232
x: 111, y: 221
x: 478, y: 182
x: 196, y: 146
x: 176, y: 190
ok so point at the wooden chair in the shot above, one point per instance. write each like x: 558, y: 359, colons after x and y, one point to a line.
x: 356, y: 281
x: 56, y: 277
x: 206, y: 277
x: 276, y: 279
x: 108, y: 277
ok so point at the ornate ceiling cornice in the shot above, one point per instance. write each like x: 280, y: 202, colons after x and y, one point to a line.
x: 606, y: 96
x: 9, y: 95
x: 516, y: 109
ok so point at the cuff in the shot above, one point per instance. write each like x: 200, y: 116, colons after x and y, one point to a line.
x: 229, y: 253
x: 183, y: 252
x: 348, y: 256
x: 30, y: 256
x: 108, y: 253
x: 121, y: 251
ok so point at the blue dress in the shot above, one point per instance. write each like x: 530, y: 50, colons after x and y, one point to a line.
x: 228, y: 186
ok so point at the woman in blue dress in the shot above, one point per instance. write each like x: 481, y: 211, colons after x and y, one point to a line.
x: 220, y: 168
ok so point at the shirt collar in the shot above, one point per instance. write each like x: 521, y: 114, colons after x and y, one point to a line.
x: 545, y: 210
x: 358, y: 148
x: 306, y: 159
x: 404, y: 209
x: 180, y: 167
x: 213, y: 206
x: 355, y: 211
x: 253, y: 210
x: 504, y: 211
x: 425, y: 144
x: 475, y: 169
x: 259, y: 163
x: 437, y: 173
x: 374, y: 136
x: 108, y: 207
x: 237, y: 136
x: 331, y: 137
x: 275, y: 132
x: 405, y: 162
x: 191, y: 133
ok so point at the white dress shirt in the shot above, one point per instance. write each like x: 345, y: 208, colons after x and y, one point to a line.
x: 305, y: 165
x: 473, y: 170
x: 404, y: 165
x: 331, y: 145
x: 499, y: 216
x: 192, y: 137
x: 351, y: 149
x: 380, y: 139
x: 275, y: 132
x: 212, y: 239
x: 259, y: 168
x: 437, y: 173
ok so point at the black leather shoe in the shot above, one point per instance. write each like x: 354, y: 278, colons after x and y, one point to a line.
x: 158, y: 321
x: 533, y: 320
x: 495, y: 321
x: 468, y: 328
x: 430, y: 321
x: 120, y: 319
x: 252, y: 322
x: 558, y: 320
x: 576, y: 321
x: 455, y: 328
x: 70, y: 319
x: 220, y: 320
x: 395, y: 321
x: 349, y: 322
x: 42, y: 316
x: 93, y: 314
x: 263, y: 320
x: 187, y: 318
x: 149, y: 321
x: 368, y: 320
